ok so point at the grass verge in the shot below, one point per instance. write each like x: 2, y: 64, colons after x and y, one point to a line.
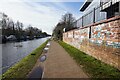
x: 95, y: 68
x: 23, y: 67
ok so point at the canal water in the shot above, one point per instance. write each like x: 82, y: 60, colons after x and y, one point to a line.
x: 15, y: 51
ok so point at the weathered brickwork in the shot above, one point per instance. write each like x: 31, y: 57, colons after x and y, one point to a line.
x: 108, y: 32
x: 101, y: 41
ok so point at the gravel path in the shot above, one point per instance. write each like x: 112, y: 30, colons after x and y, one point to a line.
x: 59, y: 64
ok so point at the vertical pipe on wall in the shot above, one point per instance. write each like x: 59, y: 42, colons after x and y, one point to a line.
x: 73, y: 33
x: 89, y: 32
x: 67, y: 34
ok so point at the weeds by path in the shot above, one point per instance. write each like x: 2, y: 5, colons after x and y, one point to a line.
x: 95, y: 68
x: 23, y: 67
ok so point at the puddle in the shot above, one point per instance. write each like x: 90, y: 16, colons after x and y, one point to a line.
x: 36, y: 73
x: 43, y: 58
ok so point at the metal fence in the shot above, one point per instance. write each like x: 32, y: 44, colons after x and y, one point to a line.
x: 88, y: 18
x: 95, y: 15
x: 99, y: 15
x: 103, y: 2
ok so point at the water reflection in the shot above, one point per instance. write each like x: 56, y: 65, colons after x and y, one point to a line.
x: 13, y: 52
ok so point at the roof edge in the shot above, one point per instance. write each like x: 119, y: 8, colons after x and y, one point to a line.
x: 85, y: 5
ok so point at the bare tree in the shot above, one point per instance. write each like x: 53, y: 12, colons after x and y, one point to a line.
x: 69, y: 20
x: 11, y: 27
x: 67, y: 23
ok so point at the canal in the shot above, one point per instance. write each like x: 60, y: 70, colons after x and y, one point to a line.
x: 15, y: 51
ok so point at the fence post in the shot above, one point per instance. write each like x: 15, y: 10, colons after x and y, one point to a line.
x: 119, y: 8
x: 82, y: 21
x: 94, y: 15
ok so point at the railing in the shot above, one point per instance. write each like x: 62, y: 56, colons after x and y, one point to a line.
x: 92, y: 17
x: 96, y: 15
x: 103, y: 2
x: 106, y: 3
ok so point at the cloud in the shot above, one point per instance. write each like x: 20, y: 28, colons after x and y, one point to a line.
x: 44, y: 17
x: 39, y: 13
x: 45, y: 0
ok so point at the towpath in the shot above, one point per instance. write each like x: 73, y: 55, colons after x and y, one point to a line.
x: 59, y: 64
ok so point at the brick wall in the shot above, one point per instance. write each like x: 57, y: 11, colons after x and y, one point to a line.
x: 100, y: 40
x: 107, y: 32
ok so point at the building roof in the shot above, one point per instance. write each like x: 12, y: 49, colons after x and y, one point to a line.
x: 85, y: 5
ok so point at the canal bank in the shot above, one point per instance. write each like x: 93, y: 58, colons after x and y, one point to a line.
x: 59, y: 62
x: 38, y: 70
x: 23, y: 67
x: 13, y: 52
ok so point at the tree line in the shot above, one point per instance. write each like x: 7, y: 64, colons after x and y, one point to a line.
x: 10, y: 27
x: 66, y: 23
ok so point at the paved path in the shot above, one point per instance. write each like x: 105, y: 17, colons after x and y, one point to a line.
x: 60, y: 65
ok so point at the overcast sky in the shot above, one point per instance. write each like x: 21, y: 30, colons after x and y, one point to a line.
x: 44, y: 14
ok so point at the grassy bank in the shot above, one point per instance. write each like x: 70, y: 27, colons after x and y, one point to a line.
x: 23, y: 67
x: 95, y: 68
